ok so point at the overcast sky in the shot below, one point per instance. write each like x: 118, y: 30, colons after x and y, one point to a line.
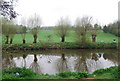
x: 102, y: 11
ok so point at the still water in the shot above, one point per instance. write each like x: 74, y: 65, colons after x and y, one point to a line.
x: 55, y: 61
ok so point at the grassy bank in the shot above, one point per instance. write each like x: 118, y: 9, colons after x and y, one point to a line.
x: 23, y: 73
x: 53, y: 42
x: 72, y: 37
x: 108, y: 73
x: 40, y: 46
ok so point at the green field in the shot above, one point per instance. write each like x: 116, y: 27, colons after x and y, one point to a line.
x: 72, y: 37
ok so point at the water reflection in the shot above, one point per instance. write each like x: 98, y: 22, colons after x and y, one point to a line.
x: 62, y: 61
x: 81, y: 65
x: 35, y: 66
x: 24, y: 61
x: 112, y: 57
x: 62, y: 64
x: 95, y: 56
x: 8, y: 61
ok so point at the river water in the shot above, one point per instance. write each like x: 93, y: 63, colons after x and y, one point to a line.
x: 55, y: 61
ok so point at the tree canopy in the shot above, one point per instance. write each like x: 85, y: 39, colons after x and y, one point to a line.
x: 7, y: 9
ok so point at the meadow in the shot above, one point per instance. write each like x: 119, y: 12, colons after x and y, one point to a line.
x: 50, y: 36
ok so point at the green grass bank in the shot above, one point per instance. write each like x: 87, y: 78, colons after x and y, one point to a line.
x: 23, y: 73
x: 71, y: 37
x: 43, y: 46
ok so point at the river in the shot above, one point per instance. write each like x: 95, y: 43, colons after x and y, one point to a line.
x: 56, y: 61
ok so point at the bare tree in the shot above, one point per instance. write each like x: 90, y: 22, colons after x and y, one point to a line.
x: 23, y: 29
x: 82, y: 25
x: 23, y: 34
x: 9, y: 30
x: 7, y: 9
x: 62, y: 28
x: 93, y: 31
x: 5, y: 29
x: 12, y: 31
x: 34, y: 22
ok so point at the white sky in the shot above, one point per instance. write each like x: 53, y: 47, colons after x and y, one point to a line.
x: 102, y: 11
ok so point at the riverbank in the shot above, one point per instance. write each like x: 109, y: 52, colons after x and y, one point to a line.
x: 23, y: 73
x: 67, y: 45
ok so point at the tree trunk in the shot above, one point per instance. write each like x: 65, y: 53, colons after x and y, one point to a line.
x: 11, y: 40
x: 63, y: 56
x: 83, y: 38
x: 35, y: 39
x: 24, y: 56
x: 24, y: 41
x: 7, y: 39
x: 35, y: 58
x: 85, y: 66
x: 93, y: 38
x: 63, y: 39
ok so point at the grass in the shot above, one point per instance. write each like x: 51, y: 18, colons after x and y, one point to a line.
x: 108, y: 73
x: 43, y: 46
x: 43, y: 36
x: 0, y: 74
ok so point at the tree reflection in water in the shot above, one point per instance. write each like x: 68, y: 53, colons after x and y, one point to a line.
x: 95, y: 56
x: 24, y: 61
x: 8, y: 62
x: 75, y: 61
x: 86, y: 62
x: 113, y: 57
x: 81, y: 64
x: 94, y: 62
x: 62, y: 65
x: 35, y: 66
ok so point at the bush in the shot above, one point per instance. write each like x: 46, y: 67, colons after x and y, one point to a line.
x: 77, y: 75
x: 9, y: 73
x: 67, y: 74
x: 82, y: 75
x: 65, y: 45
x: 113, y: 71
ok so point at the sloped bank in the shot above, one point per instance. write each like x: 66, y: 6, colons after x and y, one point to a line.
x: 39, y: 46
x: 23, y: 73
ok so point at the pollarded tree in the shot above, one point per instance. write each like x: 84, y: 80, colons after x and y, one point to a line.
x: 5, y: 29
x: 62, y: 28
x: 34, y: 23
x: 23, y: 29
x: 82, y: 25
x: 23, y: 33
x: 12, y: 31
x: 9, y: 30
x: 93, y: 31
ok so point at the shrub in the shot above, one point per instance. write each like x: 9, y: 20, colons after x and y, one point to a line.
x: 113, y: 71
x: 77, y: 75
x: 65, y: 45
x: 9, y: 73
x: 82, y: 75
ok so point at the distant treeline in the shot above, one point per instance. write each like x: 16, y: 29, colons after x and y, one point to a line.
x: 48, y: 28
x: 113, y: 28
